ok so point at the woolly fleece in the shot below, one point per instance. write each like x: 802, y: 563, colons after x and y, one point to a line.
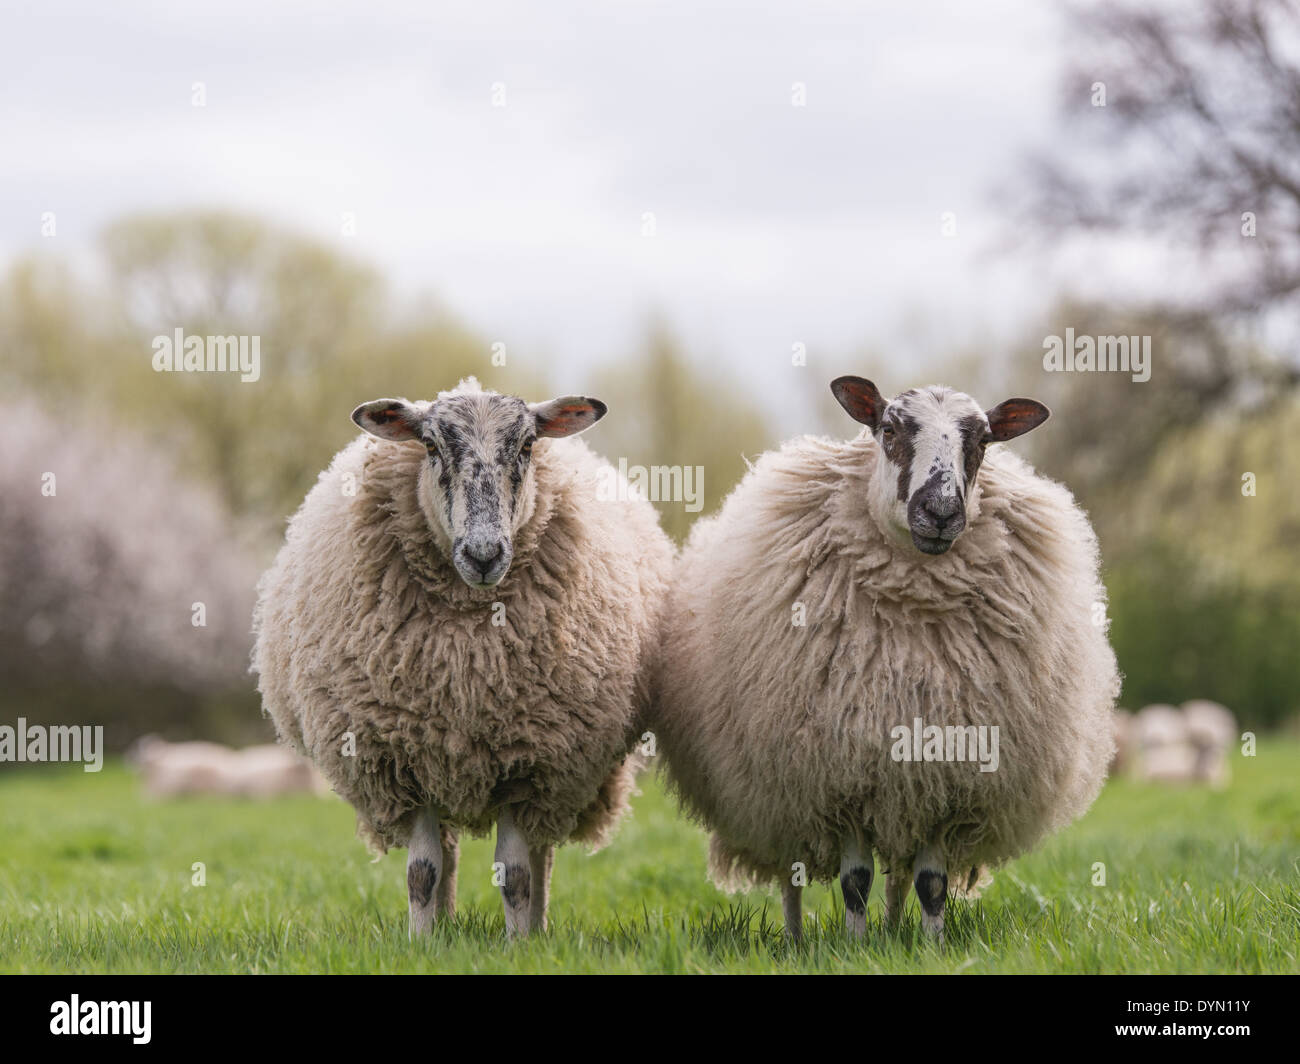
x: 778, y: 737
x: 364, y: 627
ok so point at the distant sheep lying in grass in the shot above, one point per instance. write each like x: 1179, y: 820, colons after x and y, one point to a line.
x: 849, y: 593
x: 1211, y: 729
x: 170, y: 770
x: 1164, y: 753
x: 1187, y: 745
x: 437, y: 694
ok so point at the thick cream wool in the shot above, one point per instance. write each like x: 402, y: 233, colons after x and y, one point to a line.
x: 778, y: 736
x: 368, y: 640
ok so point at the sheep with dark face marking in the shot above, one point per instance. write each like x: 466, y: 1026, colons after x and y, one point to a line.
x: 454, y: 633
x: 861, y: 624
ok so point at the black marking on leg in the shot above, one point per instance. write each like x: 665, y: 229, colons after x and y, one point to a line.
x: 932, y: 889
x: 855, y: 884
x: 421, y: 878
x: 516, y: 886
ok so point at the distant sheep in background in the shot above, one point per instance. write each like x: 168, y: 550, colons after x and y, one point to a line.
x: 1165, y: 754
x: 271, y: 770
x: 1172, y: 745
x: 1211, y: 730
x: 169, y: 770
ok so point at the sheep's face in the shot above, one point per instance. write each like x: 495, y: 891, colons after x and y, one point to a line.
x: 481, y: 484
x: 932, y: 442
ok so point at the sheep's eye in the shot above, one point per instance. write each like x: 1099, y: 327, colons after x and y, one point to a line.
x: 888, y: 430
x: 526, y: 451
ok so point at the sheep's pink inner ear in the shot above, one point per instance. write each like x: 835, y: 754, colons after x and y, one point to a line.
x: 1015, y: 417
x: 567, y: 416
x: 861, y: 399
x: 389, y: 419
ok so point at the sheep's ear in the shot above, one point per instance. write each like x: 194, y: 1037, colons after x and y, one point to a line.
x: 861, y: 399
x: 1015, y: 417
x: 567, y: 416
x: 389, y: 419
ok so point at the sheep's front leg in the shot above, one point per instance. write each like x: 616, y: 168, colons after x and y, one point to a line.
x: 539, y: 866
x: 931, y: 879
x: 792, y: 909
x: 513, y: 867
x: 856, y: 869
x: 896, y: 884
x: 424, y: 864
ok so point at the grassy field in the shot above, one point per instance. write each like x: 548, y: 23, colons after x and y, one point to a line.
x: 93, y: 879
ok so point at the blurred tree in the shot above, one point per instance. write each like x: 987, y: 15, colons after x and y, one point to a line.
x: 1199, y: 144
x: 670, y: 414
x: 1181, y: 632
x: 1184, y: 124
x: 125, y: 591
x: 328, y: 339
x: 60, y: 338
x: 1204, y: 589
x: 1107, y: 427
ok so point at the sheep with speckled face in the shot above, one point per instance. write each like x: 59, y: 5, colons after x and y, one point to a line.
x: 857, y: 627
x: 455, y: 632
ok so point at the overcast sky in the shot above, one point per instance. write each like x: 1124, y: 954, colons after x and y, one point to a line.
x: 773, y: 224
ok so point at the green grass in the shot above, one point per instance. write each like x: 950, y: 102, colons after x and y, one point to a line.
x: 94, y: 879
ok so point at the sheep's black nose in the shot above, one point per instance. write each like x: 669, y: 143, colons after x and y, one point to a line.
x: 950, y: 527
x: 485, y: 555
